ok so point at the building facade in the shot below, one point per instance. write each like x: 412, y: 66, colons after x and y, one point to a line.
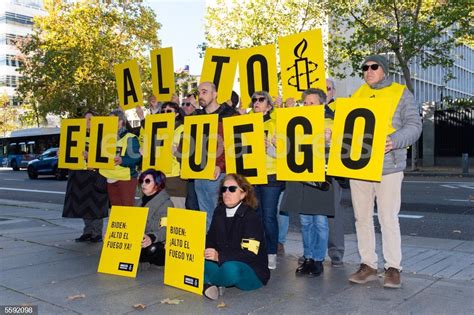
x: 16, y: 22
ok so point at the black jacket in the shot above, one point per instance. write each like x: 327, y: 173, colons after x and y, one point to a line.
x: 246, y: 225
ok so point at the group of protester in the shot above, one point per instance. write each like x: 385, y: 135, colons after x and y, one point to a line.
x: 242, y: 219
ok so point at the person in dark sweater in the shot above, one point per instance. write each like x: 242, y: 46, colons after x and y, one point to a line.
x: 235, y: 245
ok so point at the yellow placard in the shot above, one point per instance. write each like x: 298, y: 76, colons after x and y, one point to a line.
x: 129, y: 88
x: 244, y: 143
x: 162, y: 73
x: 103, y: 142
x: 185, y: 244
x: 301, y: 63
x: 300, y: 143
x: 158, y: 142
x: 358, y: 138
x: 198, y: 159
x: 122, y: 241
x: 72, y: 144
x: 219, y: 67
x: 258, y: 72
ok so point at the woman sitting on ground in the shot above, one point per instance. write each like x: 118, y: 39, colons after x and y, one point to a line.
x: 157, y: 200
x: 235, y: 246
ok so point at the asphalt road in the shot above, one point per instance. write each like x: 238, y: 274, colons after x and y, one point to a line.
x: 441, y: 207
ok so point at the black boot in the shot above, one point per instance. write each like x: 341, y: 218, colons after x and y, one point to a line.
x: 316, y: 270
x: 305, y: 267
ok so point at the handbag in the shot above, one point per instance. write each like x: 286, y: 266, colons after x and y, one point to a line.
x: 323, y: 186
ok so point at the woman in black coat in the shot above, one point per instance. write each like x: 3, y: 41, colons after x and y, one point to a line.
x: 235, y: 245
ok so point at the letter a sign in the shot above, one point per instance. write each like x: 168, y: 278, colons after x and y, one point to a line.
x: 129, y: 86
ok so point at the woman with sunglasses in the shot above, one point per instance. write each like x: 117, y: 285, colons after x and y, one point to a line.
x: 269, y: 193
x: 175, y: 186
x: 157, y: 200
x: 314, y: 201
x: 235, y: 246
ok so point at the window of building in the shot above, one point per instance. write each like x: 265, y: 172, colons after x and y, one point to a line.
x: 9, y: 80
x: 10, y: 39
x: 10, y: 60
x: 14, y: 18
x: 37, y: 4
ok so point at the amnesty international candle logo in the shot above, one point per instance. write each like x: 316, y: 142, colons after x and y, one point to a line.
x: 185, y: 240
x: 302, y: 63
x: 303, y: 68
x: 122, y: 241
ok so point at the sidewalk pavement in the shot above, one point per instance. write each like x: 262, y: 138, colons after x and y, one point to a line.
x: 437, y: 171
x: 42, y: 265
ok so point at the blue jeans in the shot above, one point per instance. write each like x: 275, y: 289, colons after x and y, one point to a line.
x: 231, y: 273
x: 315, y: 232
x: 207, y: 193
x: 191, y: 197
x: 283, y: 222
x: 268, y: 208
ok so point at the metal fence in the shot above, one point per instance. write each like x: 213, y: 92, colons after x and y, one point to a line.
x: 454, y: 132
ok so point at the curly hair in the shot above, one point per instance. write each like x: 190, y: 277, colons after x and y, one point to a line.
x: 250, y: 198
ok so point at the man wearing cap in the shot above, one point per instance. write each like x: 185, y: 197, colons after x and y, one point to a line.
x: 404, y: 130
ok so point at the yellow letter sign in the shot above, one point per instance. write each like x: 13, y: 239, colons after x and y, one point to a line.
x: 158, y: 142
x: 244, y: 142
x: 129, y: 86
x: 219, y: 67
x: 302, y: 63
x: 358, y: 138
x: 199, y: 146
x: 72, y: 144
x: 258, y: 72
x: 300, y: 143
x: 103, y: 142
x: 162, y: 73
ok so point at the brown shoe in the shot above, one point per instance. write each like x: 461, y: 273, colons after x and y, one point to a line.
x: 392, y: 278
x: 364, y: 275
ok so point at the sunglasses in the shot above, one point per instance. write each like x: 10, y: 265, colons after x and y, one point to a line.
x: 329, y: 88
x: 146, y: 181
x: 259, y: 99
x: 232, y: 189
x: 186, y: 104
x: 372, y: 66
x: 168, y: 111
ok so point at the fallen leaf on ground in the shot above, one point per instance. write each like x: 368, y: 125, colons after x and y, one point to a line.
x: 139, y: 306
x: 76, y: 297
x: 169, y: 301
x: 221, y: 305
x: 457, y: 231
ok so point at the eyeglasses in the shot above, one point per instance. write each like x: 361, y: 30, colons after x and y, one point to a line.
x: 373, y: 66
x: 146, y: 181
x: 168, y: 111
x: 186, y: 104
x: 232, y: 189
x: 260, y: 99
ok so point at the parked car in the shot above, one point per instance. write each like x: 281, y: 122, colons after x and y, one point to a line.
x: 46, y: 164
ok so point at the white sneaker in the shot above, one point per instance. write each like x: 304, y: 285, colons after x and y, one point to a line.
x: 272, y: 261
